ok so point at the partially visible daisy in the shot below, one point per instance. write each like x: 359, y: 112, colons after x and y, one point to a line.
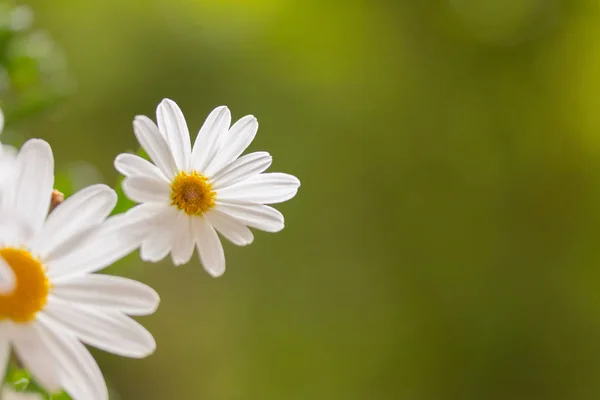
x: 9, y: 394
x: 190, y: 192
x: 58, y: 303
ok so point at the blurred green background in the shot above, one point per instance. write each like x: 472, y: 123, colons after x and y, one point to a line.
x: 444, y: 243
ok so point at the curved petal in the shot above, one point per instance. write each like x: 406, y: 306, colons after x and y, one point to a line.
x: 98, y: 248
x: 33, y: 187
x: 147, y: 190
x: 206, y: 144
x: 234, y: 143
x: 209, y: 246
x: 155, y: 144
x: 243, y: 168
x: 182, y: 246
x: 33, y: 347
x: 79, y: 372
x: 110, y: 331
x: 234, y: 231
x: 267, y: 188
x: 157, y: 244
x: 86, y: 208
x: 257, y: 216
x: 14, y: 229
x: 131, y: 165
x: 108, y: 292
x: 171, y: 123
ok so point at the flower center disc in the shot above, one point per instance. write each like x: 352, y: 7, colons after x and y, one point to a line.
x: 192, y: 193
x: 31, y: 287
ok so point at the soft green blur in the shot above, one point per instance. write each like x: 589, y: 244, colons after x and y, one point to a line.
x: 445, y: 241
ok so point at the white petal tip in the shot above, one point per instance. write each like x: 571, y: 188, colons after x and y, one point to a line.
x: 215, y: 274
x: 118, y: 160
x: 145, y: 353
x: 252, y: 119
x: 151, y: 259
x: 109, y: 191
x: 141, y: 119
x: 39, y: 145
x: 141, y: 352
x: 178, y: 263
x: 277, y: 228
x: 38, y: 142
x: 153, y: 305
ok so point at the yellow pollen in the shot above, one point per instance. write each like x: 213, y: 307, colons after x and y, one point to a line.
x: 192, y: 193
x: 31, y: 287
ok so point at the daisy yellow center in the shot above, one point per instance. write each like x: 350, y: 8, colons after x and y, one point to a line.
x: 31, y: 286
x: 192, y: 193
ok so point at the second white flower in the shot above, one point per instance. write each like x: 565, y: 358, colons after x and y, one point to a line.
x: 190, y: 193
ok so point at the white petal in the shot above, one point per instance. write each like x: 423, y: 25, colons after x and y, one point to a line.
x: 14, y: 229
x: 108, y: 292
x: 86, y: 208
x: 79, y: 372
x: 209, y: 246
x: 86, y: 382
x: 171, y: 123
x: 33, y: 190
x: 257, y: 216
x: 182, y: 245
x: 7, y: 278
x: 157, y: 244
x: 4, y: 350
x: 101, y: 246
x: 268, y: 188
x: 110, y: 331
x: 243, y: 168
x: 236, y: 232
x: 146, y: 189
x: 206, y: 144
x: 31, y: 346
x: 135, y: 166
x: 237, y: 139
x: 155, y: 144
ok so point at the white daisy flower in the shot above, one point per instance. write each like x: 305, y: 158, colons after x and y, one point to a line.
x: 58, y: 303
x: 9, y: 394
x: 192, y: 191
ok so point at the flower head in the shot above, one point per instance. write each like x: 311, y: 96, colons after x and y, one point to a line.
x: 57, y: 303
x: 190, y: 193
